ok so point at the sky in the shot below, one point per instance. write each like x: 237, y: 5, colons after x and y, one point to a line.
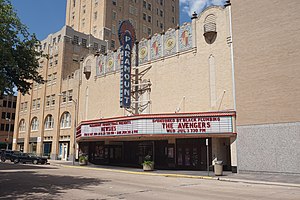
x: 42, y: 21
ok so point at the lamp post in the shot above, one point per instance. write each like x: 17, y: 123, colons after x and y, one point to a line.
x: 7, y: 142
x: 74, y: 137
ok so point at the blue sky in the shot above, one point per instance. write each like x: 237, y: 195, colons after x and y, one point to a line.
x: 42, y: 22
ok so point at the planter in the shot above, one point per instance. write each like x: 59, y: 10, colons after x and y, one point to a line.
x: 148, y: 167
x: 83, y: 162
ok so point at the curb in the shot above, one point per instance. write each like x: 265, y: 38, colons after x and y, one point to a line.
x: 184, y: 176
x: 259, y: 182
x: 141, y: 173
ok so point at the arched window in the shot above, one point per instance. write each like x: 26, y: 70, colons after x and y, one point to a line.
x: 22, y: 125
x: 65, y: 121
x: 49, y: 122
x: 34, y: 124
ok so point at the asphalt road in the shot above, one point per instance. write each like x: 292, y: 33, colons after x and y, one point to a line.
x: 58, y: 182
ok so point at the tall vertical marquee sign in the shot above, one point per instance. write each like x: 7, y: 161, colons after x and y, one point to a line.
x: 127, y: 39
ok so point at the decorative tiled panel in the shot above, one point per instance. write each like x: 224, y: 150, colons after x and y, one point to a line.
x: 143, y: 51
x: 170, y: 42
x: 185, y: 37
x: 110, y: 62
x: 156, y: 47
x: 118, y: 59
x: 100, y: 65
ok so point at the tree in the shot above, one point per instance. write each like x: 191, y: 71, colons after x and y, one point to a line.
x: 18, y: 53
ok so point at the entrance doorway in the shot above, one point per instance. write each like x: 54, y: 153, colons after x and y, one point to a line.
x: 192, y: 153
x: 63, y: 151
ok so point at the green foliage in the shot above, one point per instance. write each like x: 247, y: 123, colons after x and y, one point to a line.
x: 18, y: 53
x: 147, y: 160
x: 83, y: 158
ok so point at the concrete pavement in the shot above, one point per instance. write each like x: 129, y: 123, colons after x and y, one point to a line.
x: 291, y: 180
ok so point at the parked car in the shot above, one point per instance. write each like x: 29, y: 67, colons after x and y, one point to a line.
x: 8, y: 155
x: 29, y: 158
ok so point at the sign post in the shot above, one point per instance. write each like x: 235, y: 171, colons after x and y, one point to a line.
x: 207, y: 156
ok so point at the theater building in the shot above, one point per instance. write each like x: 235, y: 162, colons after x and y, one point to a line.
x: 182, y: 99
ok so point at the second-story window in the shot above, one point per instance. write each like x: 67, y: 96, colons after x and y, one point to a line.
x: 70, y: 95
x: 34, y: 124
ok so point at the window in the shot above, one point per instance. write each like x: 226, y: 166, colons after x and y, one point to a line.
x: 65, y: 121
x: 38, y: 103
x: 70, y: 95
x: 113, y: 29
x: 161, y: 25
x: 34, y: 124
x: 54, y: 41
x: 22, y: 125
x: 25, y: 106
x: 83, y: 23
x: 33, y: 104
x: 2, y: 127
x: 75, y: 39
x: 149, y: 19
x: 13, y: 116
x: 161, y: 13
x: 4, y: 103
x: 149, y: 6
x: 22, y: 107
x: 162, y: 2
x: 112, y: 44
x: 3, y: 115
x: 173, y: 20
x: 173, y: 9
x: 132, y: 10
x: 58, y: 38
x: 95, y: 47
x: 114, y: 2
x: 74, y: 3
x: 49, y: 79
x: 8, y: 115
x: 54, y: 77
x: 103, y: 49
x: 114, y: 15
x: 53, y: 99
x: 95, y: 15
x: 47, y: 100
x: 144, y: 29
x: 144, y: 4
x: 144, y: 16
x: 149, y: 31
x: 6, y: 127
x: 94, y: 30
x: 83, y: 9
x: 84, y: 41
x: 64, y: 97
x: 9, y: 104
x: 49, y: 122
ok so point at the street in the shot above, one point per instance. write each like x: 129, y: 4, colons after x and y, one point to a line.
x: 67, y: 182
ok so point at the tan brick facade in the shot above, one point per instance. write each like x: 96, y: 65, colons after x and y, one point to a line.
x: 101, y: 18
x: 266, y: 48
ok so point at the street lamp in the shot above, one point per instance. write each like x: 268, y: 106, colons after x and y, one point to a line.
x: 7, y: 142
x: 75, y: 122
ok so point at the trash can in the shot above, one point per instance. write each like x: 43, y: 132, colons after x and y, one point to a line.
x: 218, y: 168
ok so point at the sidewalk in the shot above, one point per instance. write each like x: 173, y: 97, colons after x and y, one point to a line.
x: 292, y: 180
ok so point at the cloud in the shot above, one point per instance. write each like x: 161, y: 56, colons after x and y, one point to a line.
x: 191, y: 6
